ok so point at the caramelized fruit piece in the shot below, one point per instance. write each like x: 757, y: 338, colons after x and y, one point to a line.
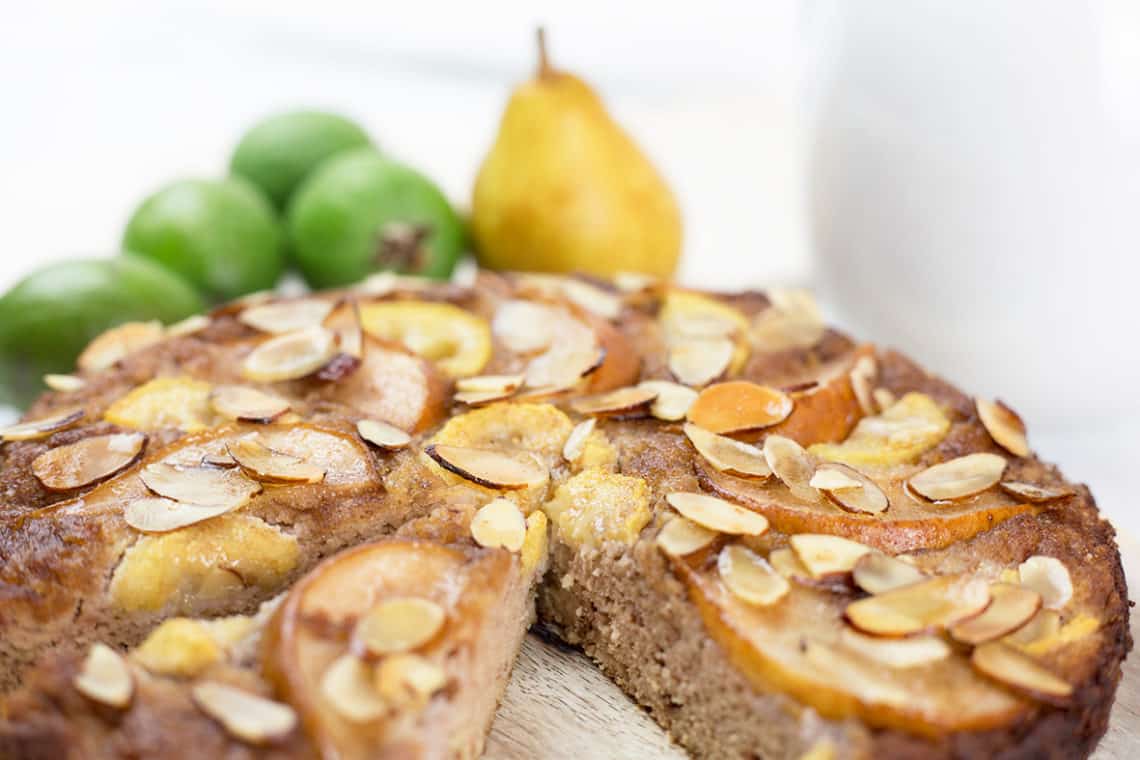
x: 940, y: 602
x: 900, y: 434
x: 596, y: 506
x: 458, y: 341
x: 117, y: 344
x: 182, y: 403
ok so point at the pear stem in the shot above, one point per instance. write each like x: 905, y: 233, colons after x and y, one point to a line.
x: 544, y: 68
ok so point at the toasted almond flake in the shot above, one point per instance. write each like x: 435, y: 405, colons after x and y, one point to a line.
x: 738, y: 406
x: 699, y: 361
x: 681, y: 536
x: 791, y: 321
x: 345, y: 324
x: 959, y: 478
x: 865, y: 497
x: 863, y: 375
x: 398, y: 625
x: 188, y: 326
x: 939, y: 602
x: 749, y: 577
x: 634, y: 282
x: 1005, y: 664
x: 1049, y: 577
x: 673, y: 399
x: 718, y: 514
x: 408, y: 680
x: 504, y: 384
x: 785, y: 562
x: 222, y: 459
x: 1044, y: 625
x: 105, y: 677
x: 884, y: 399
x: 499, y: 523
x: 1035, y: 494
x: 78, y: 464
x: 41, y: 428
x: 524, y: 327
x: 1004, y: 426
x: 382, y: 434
x: 237, y: 402
x: 200, y: 485
x: 160, y: 515
x: 576, y: 441
x: 563, y: 367
x: 347, y: 685
x: 1011, y: 607
x: 290, y: 356
x: 286, y: 316
x: 701, y: 325
x: 64, y: 383
x: 491, y: 469
x: 480, y: 398
x: 619, y: 403
x: 244, y: 715
x: 825, y: 555
x: 117, y: 343
x: 728, y: 455
x: 896, y: 653
x: 877, y: 573
x: 268, y: 466
x: 592, y: 298
x: 792, y: 464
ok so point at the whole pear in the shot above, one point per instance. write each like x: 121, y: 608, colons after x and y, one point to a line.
x: 565, y: 189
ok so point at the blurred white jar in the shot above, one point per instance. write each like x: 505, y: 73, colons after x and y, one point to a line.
x: 973, y: 194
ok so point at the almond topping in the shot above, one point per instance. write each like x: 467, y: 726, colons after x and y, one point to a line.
x: 749, y: 577
x: 81, y: 463
x: 863, y: 497
x: 347, y: 685
x: 200, y: 485
x: 105, y: 677
x: 290, y: 356
x: 1049, y: 577
x: 563, y: 367
x: 1004, y: 426
x: 524, y: 327
x: 286, y: 316
x: 408, y: 680
x: 785, y: 562
x: 884, y: 399
x: 718, y: 514
x: 791, y: 321
x: 491, y: 469
x: 1005, y: 664
x: 699, y: 361
x: 117, y: 343
x: 673, y: 399
x: 238, y: 402
x: 833, y: 479
x: 739, y: 406
x: 504, y: 384
x: 792, y: 464
x: 634, y: 282
x: 622, y: 402
x: 160, y: 515
x: 877, y: 573
x: 939, y: 602
x: 576, y: 441
x: 1043, y: 625
x: 480, y: 398
x: 499, y: 523
x: 398, y: 625
x: 1036, y: 494
x: 246, y: 716
x: 188, y: 326
x: 382, y: 434
x: 959, y: 478
x: 592, y: 298
x: 863, y: 376
x: 825, y: 555
x: 728, y: 455
x: 64, y: 383
x: 681, y: 536
x: 41, y: 428
x: 268, y: 466
x: 1011, y: 608
x: 896, y: 653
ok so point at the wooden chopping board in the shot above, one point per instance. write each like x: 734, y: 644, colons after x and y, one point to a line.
x: 558, y: 706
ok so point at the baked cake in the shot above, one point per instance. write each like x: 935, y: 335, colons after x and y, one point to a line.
x: 320, y: 527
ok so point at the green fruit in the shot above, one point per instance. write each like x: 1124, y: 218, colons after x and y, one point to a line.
x: 220, y: 235
x: 277, y: 153
x: 361, y: 212
x: 48, y: 317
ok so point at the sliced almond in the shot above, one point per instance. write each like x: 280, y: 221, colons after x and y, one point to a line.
x: 1045, y: 624
x: 490, y: 468
x: 382, y: 434
x: 785, y: 562
x: 268, y: 466
x: 1010, y: 667
x: 408, y: 680
x: 877, y: 573
x: 739, y: 406
x: 749, y: 576
x: 41, y: 428
x: 936, y: 603
x: 792, y: 464
x: 105, y: 677
x: 681, y: 536
x: 592, y: 298
x: 86, y: 461
x: 64, y: 383
x: 499, y: 523
x: 1035, y: 494
x: 827, y: 556
x: 622, y: 402
x: 884, y: 399
x: 290, y: 356
x: 479, y: 398
x: 863, y: 375
x: 791, y: 321
x: 699, y: 361
x: 1049, y: 577
x: 728, y: 455
x: 237, y: 402
x: 959, y: 478
x: 117, y: 343
x: 347, y: 685
x: 246, y: 716
x: 897, y: 653
x: 189, y: 326
x: 563, y: 367
x: 576, y: 441
x: 865, y: 497
x: 345, y: 323
x: 673, y: 399
x: 718, y: 514
x: 524, y: 327
x: 1004, y: 426
x: 504, y: 384
x: 200, y: 485
x: 1012, y: 607
x: 160, y: 515
x: 398, y: 625
x: 634, y: 282
x: 286, y: 316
